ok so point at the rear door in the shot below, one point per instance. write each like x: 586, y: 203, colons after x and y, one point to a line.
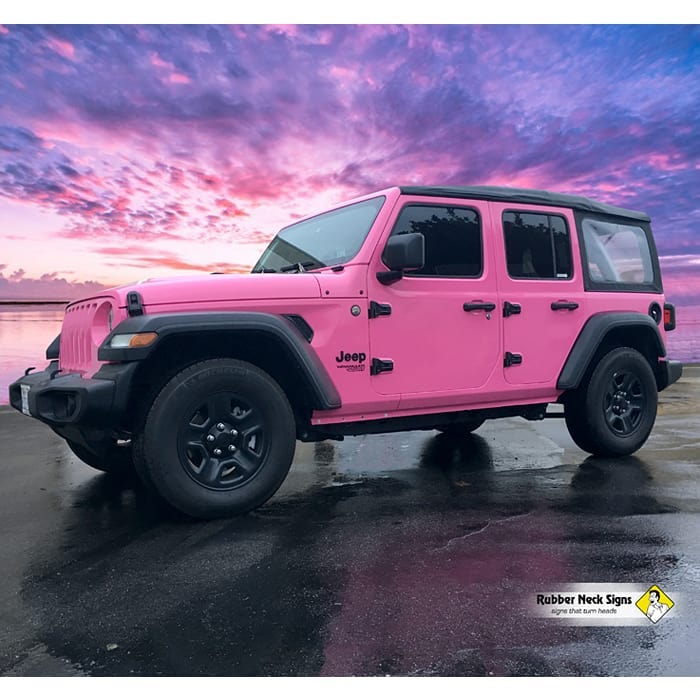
x: 542, y: 303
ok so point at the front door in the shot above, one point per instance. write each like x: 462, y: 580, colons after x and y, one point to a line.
x: 436, y: 331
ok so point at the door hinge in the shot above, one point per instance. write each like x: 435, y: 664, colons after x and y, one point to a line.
x: 512, y: 358
x: 378, y: 366
x: 510, y: 309
x: 377, y: 309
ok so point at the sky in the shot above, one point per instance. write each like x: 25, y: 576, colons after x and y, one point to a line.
x: 129, y: 152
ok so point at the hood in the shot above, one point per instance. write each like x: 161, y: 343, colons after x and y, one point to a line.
x: 218, y: 288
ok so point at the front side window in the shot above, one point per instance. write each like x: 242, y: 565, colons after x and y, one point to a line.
x: 617, y: 253
x: 332, y: 238
x: 452, y: 239
x: 537, y: 245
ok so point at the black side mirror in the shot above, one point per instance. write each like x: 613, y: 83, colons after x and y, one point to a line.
x: 403, y: 252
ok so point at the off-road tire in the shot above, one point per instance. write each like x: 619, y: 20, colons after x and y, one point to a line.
x: 218, y: 440
x: 613, y: 411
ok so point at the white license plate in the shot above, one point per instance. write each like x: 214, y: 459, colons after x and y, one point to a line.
x: 25, y: 398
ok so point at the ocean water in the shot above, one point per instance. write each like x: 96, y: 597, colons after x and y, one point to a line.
x: 26, y: 331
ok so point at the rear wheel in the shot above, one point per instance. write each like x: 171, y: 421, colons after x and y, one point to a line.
x: 613, y: 413
x: 218, y: 439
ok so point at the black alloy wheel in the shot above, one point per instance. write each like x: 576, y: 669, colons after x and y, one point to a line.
x: 218, y: 440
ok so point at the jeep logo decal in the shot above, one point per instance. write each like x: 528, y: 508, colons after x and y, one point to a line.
x: 351, y: 361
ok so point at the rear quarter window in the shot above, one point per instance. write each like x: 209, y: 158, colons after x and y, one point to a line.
x: 617, y: 253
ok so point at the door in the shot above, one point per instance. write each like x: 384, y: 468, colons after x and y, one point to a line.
x: 423, y: 339
x: 542, y: 298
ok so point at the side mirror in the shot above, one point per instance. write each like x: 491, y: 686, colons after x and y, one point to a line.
x: 402, y: 252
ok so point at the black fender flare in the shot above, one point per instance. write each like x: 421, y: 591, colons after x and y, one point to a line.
x: 592, y: 335
x: 324, y: 393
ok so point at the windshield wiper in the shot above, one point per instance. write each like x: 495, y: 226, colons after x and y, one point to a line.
x: 299, y: 267
x: 260, y: 270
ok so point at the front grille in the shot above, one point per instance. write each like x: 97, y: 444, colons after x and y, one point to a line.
x: 78, y: 352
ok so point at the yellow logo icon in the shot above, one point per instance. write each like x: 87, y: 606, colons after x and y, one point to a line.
x: 654, y: 604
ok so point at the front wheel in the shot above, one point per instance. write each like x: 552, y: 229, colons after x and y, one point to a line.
x: 613, y: 413
x: 218, y: 439
x: 105, y: 457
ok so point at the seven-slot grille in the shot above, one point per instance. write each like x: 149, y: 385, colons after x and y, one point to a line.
x: 78, y: 352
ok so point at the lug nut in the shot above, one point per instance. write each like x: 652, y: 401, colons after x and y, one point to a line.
x: 217, y: 451
x: 220, y: 426
x: 231, y: 448
x: 234, y: 432
x: 210, y: 438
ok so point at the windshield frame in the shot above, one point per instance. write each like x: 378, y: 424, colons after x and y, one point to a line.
x: 314, y: 262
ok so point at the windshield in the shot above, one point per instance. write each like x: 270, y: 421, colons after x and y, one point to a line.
x: 325, y: 240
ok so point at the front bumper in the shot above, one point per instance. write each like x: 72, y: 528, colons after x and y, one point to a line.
x: 71, y: 400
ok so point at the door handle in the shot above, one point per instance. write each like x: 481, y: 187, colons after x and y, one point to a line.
x: 479, y: 306
x: 564, y: 305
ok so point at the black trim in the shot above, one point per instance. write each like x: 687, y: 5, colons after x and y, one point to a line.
x: 387, y: 277
x: 592, y: 335
x: 134, y: 304
x: 478, y: 305
x: 53, y: 349
x: 378, y: 366
x: 302, y: 325
x: 68, y: 399
x: 525, y: 196
x: 656, y: 313
x: 671, y: 371
x: 563, y: 305
x: 377, y: 309
x: 512, y: 358
x: 424, y: 421
x: 282, y: 329
x: 511, y: 309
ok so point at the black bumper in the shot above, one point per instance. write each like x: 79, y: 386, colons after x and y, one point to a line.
x: 70, y: 400
x: 671, y: 371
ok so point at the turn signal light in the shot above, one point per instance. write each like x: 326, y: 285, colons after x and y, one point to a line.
x: 133, y: 340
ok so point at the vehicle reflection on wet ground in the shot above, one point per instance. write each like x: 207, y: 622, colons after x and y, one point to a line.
x: 410, y: 554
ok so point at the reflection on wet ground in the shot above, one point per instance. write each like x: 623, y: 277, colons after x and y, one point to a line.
x: 407, y: 554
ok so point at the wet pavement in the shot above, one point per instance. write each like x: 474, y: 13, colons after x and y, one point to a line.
x: 406, y: 554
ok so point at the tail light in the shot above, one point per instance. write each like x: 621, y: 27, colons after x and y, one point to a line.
x: 669, y: 317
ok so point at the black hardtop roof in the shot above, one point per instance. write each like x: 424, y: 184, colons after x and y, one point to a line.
x: 523, y: 196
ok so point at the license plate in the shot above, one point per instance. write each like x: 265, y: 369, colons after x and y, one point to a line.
x: 25, y: 398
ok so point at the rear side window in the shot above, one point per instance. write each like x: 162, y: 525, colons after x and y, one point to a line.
x: 617, y: 253
x: 537, y: 245
x: 452, y: 239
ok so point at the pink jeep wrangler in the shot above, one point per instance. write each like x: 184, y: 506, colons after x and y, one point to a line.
x: 430, y: 308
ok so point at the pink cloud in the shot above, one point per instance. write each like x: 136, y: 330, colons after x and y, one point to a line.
x: 158, y: 62
x: 4, y: 29
x: 64, y: 48
x: 179, y: 79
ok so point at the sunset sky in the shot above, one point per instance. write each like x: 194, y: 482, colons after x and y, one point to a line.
x: 128, y: 152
